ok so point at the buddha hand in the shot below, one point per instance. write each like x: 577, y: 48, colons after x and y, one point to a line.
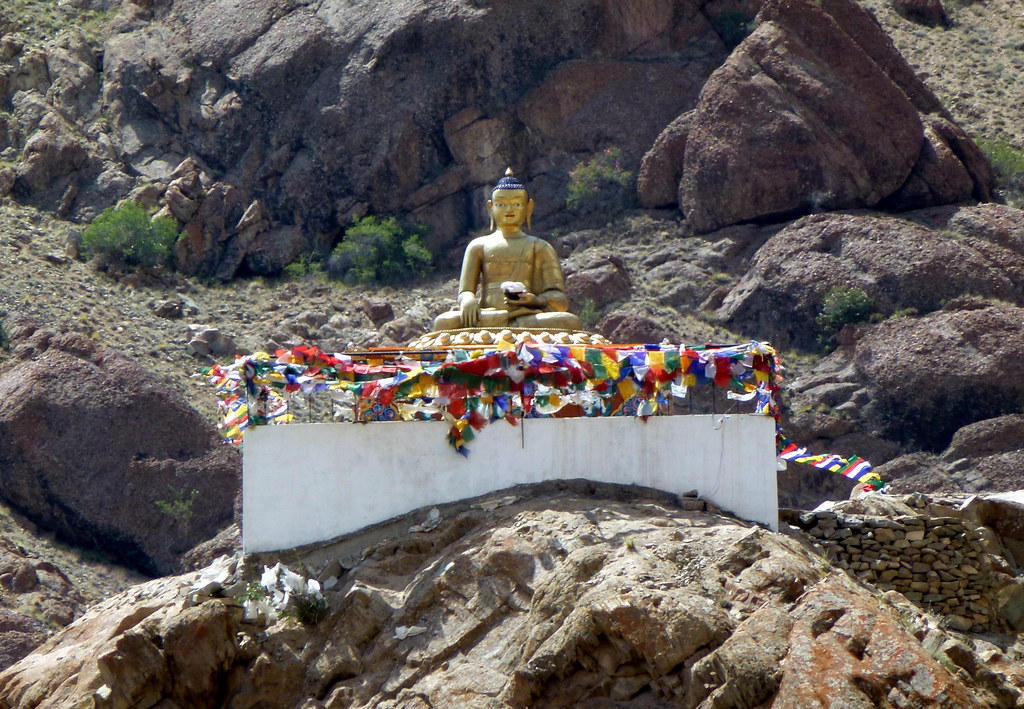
x: 469, y: 309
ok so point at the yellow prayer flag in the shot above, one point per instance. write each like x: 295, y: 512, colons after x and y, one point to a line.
x: 627, y: 388
x: 611, y: 366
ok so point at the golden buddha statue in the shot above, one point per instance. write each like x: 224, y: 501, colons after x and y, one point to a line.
x: 519, y: 276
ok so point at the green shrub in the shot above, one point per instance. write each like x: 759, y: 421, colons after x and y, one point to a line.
x: 305, y: 265
x: 127, y: 236
x: 380, y: 251
x: 600, y: 186
x: 1008, y: 164
x: 589, y: 314
x: 844, y: 306
x: 179, y: 507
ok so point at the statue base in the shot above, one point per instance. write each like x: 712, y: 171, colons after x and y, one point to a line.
x: 483, y: 337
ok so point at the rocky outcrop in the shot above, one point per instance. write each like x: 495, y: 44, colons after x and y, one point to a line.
x: 911, y: 265
x: 275, y: 103
x: 54, y: 134
x: 156, y: 480
x: 599, y: 279
x: 926, y: 12
x: 243, y: 131
x: 19, y: 635
x: 538, y: 597
x: 657, y: 182
x: 931, y: 376
x: 814, y: 111
x: 935, y: 386
x: 40, y: 587
x: 146, y: 645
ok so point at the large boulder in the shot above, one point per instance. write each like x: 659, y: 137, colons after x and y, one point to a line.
x: 101, y: 452
x: 931, y: 376
x: 843, y: 134
x: 842, y: 114
x: 926, y: 12
x: 657, y: 183
x: 904, y: 265
x: 132, y: 650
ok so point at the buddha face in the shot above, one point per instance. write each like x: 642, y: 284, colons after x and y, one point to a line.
x: 510, y: 208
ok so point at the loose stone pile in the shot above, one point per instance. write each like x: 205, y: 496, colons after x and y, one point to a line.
x: 939, y: 563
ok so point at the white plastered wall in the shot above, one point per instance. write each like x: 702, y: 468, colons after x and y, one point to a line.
x: 305, y: 483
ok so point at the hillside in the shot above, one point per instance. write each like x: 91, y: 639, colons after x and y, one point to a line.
x: 219, y: 142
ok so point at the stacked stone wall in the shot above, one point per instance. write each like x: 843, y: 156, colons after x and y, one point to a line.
x: 939, y: 563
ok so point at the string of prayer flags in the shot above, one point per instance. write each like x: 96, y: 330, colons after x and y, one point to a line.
x: 471, y: 388
x: 854, y: 467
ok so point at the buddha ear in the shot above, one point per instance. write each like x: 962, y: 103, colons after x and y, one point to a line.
x: 490, y: 213
x: 529, y: 214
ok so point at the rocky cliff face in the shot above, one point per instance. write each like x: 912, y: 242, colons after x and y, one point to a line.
x: 546, y: 597
x: 265, y: 128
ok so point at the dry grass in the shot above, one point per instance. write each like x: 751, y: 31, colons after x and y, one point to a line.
x: 975, y: 66
x: 41, y: 20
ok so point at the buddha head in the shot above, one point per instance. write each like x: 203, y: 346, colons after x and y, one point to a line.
x: 510, y: 204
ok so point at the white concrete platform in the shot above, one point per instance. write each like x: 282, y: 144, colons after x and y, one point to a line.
x: 306, y: 483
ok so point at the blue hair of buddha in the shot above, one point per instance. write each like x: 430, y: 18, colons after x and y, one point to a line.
x: 508, y: 182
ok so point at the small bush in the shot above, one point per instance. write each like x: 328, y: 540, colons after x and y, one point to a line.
x: 127, y: 236
x: 304, y: 266
x: 844, y: 306
x: 380, y: 251
x: 589, y: 314
x: 1008, y: 164
x: 179, y: 507
x: 600, y: 186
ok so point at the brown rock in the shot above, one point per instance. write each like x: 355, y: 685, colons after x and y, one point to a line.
x: 181, y: 206
x: 925, y: 12
x: 657, y: 183
x: 860, y: 23
x: 827, y: 153
x: 19, y: 635
x: 625, y: 325
x: 899, y: 264
x: 207, y: 341
x: 172, y: 308
x: 272, y: 250
x: 403, y: 329
x: 841, y: 640
x: 951, y: 169
x: 665, y: 607
x: 51, y: 154
x: 1001, y: 434
x: 601, y: 281
x: 379, y: 311
x: 302, y: 99
x: 151, y: 447
x: 137, y: 649
x: 932, y: 376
